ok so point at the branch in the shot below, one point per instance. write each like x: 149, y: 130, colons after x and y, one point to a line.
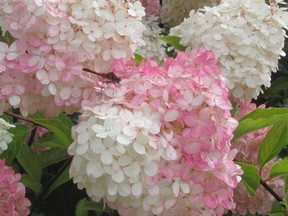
x: 32, y: 135
x: 271, y: 191
x: 23, y: 118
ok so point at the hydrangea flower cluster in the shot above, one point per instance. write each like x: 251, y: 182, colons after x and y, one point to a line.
x: 247, y: 146
x: 162, y: 143
x: 154, y: 48
x: 173, y: 12
x: 12, y: 193
x: 54, y: 40
x: 246, y: 35
x: 152, y: 7
x: 5, y: 136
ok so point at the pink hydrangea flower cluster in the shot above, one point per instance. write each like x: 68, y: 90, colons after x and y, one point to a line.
x: 12, y: 193
x: 162, y: 142
x: 152, y: 7
x: 54, y: 40
x: 247, y: 146
x: 246, y: 35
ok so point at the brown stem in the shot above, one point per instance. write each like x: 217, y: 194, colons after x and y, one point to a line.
x: 271, y: 191
x: 22, y: 118
x: 32, y: 135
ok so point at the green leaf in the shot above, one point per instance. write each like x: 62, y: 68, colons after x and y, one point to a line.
x: 52, y: 156
x: 260, y: 118
x: 277, y: 214
x: 277, y: 85
x: 274, y: 141
x: 280, y: 168
x: 137, y: 59
x: 84, y: 206
x: 7, y: 38
x: 60, y: 126
x: 62, y: 179
x: 6, y: 118
x: 276, y: 207
x: 173, y: 41
x: 235, y: 108
x: 250, y: 177
x: 31, y: 183
x: 50, y: 139
x: 285, y: 179
x: 19, y: 135
x: 30, y: 162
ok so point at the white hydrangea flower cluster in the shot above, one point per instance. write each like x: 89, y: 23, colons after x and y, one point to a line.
x: 173, y: 12
x: 116, y: 155
x: 154, y: 48
x: 5, y: 136
x: 246, y: 35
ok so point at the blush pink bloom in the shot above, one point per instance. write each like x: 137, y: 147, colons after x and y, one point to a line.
x: 53, y: 41
x: 12, y: 193
x: 162, y: 140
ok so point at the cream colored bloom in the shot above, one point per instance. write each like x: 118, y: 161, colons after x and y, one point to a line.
x: 247, y: 37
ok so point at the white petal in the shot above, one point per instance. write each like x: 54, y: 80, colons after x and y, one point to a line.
x: 132, y: 170
x: 33, y: 61
x: 14, y: 100
x: 52, y: 89
x: 196, y: 189
x: 106, y: 157
x: 82, y: 149
x: 169, y: 203
x: 83, y: 138
x: 112, y: 189
x: 198, y: 100
x: 154, y: 190
x: 123, y: 139
x: 137, y: 189
x: 157, y: 210
x: 185, y: 188
x: 118, y: 176
x: 120, y: 149
x: 151, y: 169
x: 42, y: 76
x: 124, y: 160
x: 154, y: 128
x: 124, y: 189
x: 65, y: 93
x: 171, y: 115
x: 126, y: 115
x: 139, y: 148
x: 129, y: 131
x: 176, y: 188
x: 97, y: 128
x: 94, y: 169
x: 171, y: 153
